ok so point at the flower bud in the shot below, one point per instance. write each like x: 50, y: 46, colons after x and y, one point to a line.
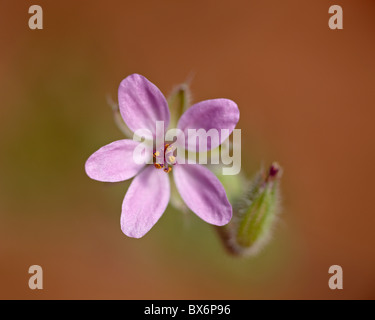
x: 254, y: 215
x: 255, y: 220
x: 178, y: 102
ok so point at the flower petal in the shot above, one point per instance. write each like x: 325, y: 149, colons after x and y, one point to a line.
x: 210, y: 114
x: 142, y: 103
x: 145, y: 202
x: 203, y: 193
x: 114, y: 162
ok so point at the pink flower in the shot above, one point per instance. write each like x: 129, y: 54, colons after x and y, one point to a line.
x: 141, y: 105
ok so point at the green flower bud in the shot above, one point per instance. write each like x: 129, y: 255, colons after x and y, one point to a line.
x: 256, y: 219
x: 178, y: 102
x: 254, y: 215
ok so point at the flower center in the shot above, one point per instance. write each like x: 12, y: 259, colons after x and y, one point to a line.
x: 164, y: 158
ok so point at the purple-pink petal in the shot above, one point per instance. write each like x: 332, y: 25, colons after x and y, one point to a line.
x: 142, y: 103
x: 210, y: 114
x: 113, y: 162
x: 203, y: 193
x: 145, y: 202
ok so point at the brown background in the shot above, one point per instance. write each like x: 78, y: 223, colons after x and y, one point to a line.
x: 306, y: 96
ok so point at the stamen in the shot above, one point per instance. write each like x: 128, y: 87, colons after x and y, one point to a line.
x: 167, y: 152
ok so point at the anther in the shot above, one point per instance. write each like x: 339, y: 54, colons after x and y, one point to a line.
x: 158, y: 165
x: 167, y: 170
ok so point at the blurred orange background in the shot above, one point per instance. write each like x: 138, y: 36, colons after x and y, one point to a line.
x: 306, y: 96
